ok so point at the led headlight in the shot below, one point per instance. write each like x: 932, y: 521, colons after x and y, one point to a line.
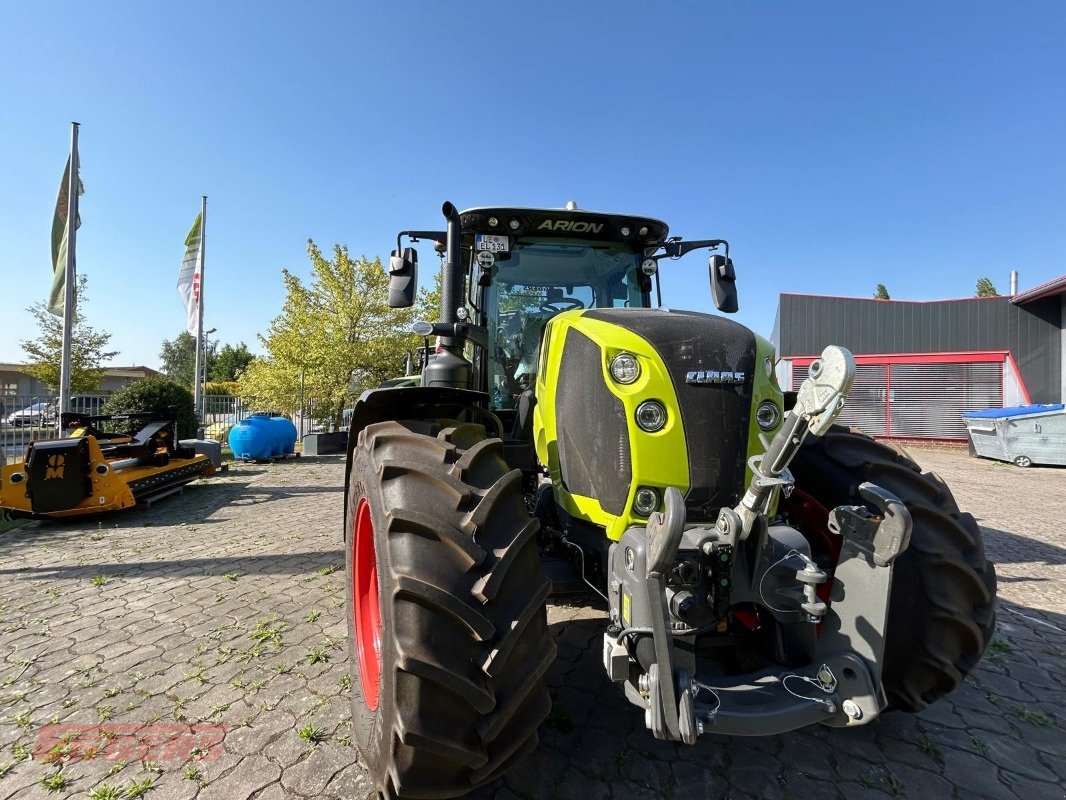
x: 625, y: 368
x: 768, y: 415
x: 651, y: 416
x: 645, y: 501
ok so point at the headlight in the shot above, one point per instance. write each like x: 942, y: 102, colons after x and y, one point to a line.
x: 645, y: 501
x: 625, y: 368
x: 768, y: 415
x: 651, y: 416
x: 17, y: 477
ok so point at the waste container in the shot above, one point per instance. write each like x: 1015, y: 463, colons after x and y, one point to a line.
x: 1024, y: 435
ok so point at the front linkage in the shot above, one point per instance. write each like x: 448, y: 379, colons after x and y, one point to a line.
x: 838, y: 647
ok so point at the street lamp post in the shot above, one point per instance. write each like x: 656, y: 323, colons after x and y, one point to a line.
x: 203, y: 394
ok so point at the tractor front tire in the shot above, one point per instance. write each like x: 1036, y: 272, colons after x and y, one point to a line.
x: 447, y: 626
x: 941, y: 613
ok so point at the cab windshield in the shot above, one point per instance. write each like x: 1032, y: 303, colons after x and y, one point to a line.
x: 537, y: 280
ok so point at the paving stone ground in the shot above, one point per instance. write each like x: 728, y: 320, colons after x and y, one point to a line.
x: 225, y: 607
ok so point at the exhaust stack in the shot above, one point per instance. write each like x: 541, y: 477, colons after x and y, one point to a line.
x: 1013, y: 282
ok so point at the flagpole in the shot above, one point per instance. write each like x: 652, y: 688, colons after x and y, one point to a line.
x: 71, y: 271
x: 200, y: 367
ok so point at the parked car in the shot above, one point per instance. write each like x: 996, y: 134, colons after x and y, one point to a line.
x: 219, y: 430
x: 36, y: 415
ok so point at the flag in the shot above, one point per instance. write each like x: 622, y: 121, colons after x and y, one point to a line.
x: 59, y: 242
x: 189, y: 277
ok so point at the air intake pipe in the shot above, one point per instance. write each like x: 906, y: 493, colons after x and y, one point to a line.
x: 451, y: 290
x: 449, y: 367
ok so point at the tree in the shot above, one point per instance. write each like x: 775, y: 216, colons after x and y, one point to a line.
x: 335, y: 336
x: 230, y: 362
x: 985, y: 288
x: 178, y: 357
x: 87, y: 345
x: 881, y: 293
x: 157, y: 395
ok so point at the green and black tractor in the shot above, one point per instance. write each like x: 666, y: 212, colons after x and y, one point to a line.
x: 762, y: 569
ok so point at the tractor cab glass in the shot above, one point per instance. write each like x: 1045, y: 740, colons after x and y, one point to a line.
x: 537, y: 280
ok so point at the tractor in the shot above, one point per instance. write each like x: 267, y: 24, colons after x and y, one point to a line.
x: 761, y: 567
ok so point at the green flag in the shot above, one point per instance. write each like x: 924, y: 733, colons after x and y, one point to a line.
x: 59, y: 242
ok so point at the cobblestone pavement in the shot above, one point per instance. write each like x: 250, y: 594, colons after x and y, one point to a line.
x: 225, y: 607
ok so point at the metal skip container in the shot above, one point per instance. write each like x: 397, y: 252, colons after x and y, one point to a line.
x: 1024, y: 435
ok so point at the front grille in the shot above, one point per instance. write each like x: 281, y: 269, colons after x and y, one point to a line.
x: 594, y: 456
x: 715, y: 416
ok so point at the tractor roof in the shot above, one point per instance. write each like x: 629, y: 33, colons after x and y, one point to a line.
x: 565, y: 223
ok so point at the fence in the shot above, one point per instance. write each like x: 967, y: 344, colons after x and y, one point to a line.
x: 29, y: 418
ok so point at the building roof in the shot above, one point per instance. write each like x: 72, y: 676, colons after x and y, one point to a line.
x: 134, y: 371
x: 1053, y: 287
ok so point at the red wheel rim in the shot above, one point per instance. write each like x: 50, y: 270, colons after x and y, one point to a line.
x: 367, y: 606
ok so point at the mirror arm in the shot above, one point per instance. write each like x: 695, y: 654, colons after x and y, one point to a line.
x: 437, y: 236
x: 678, y: 247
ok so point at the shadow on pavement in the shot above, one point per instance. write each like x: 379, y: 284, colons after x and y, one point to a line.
x: 274, y: 564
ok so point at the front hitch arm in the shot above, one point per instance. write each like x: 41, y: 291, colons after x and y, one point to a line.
x: 819, y: 402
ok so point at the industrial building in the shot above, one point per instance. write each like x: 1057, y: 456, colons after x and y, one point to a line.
x: 920, y: 365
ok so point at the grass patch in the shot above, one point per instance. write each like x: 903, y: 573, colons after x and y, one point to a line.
x: 327, y: 570
x: 192, y: 773
x: 56, y: 782
x: 310, y: 734
x: 313, y: 615
x: 1038, y: 718
x: 140, y: 788
x: 267, y: 632
x: 929, y: 747
x: 105, y: 791
x: 99, y: 580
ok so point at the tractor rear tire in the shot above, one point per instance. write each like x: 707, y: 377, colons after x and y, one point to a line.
x: 941, y: 613
x: 447, y: 625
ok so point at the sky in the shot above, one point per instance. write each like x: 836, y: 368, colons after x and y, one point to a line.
x: 836, y: 145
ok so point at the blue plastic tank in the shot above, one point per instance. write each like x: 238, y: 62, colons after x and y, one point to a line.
x: 286, y: 433
x: 254, y: 438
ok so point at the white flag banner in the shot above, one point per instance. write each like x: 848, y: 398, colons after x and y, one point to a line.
x: 189, y: 277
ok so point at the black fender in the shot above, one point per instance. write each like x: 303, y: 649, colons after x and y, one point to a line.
x: 414, y: 402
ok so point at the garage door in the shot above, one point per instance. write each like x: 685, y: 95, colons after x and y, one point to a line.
x: 918, y: 400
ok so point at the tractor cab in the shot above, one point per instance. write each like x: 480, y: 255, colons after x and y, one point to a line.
x: 521, y: 267
x: 551, y: 262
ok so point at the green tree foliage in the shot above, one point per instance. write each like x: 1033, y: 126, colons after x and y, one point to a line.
x: 87, y: 352
x: 230, y: 362
x: 178, y: 357
x: 985, y: 288
x: 881, y: 293
x: 335, y: 336
x: 157, y: 395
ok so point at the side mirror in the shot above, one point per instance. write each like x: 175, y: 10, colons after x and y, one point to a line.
x: 723, y: 283
x: 403, y: 277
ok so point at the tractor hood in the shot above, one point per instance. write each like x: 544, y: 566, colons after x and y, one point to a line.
x: 700, y: 367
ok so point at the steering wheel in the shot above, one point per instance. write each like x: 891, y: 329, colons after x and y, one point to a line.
x: 557, y: 306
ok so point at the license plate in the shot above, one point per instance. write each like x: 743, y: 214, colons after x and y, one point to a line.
x: 494, y: 244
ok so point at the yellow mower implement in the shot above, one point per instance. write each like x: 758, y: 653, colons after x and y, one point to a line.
x: 90, y: 471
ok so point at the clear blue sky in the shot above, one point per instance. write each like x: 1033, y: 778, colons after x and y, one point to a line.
x: 836, y: 145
